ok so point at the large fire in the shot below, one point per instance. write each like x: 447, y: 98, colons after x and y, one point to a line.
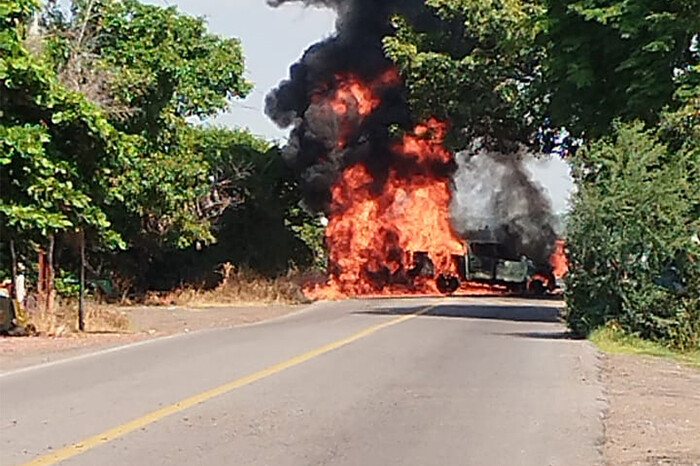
x: 376, y: 225
x: 383, y: 223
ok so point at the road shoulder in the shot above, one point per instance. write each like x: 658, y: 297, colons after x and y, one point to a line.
x: 147, y: 323
x: 653, y: 416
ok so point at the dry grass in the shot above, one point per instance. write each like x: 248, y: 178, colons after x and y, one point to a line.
x: 237, y: 287
x: 63, y: 320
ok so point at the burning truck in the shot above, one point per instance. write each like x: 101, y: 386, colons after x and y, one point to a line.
x: 401, y: 206
x: 488, y: 262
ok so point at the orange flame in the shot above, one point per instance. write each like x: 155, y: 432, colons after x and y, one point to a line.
x: 352, y: 93
x: 353, y: 98
x: 376, y: 225
x: 558, y: 260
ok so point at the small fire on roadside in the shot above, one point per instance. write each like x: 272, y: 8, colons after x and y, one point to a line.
x: 558, y: 260
x: 378, y: 222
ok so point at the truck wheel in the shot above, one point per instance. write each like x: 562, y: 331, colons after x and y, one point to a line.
x: 447, y: 284
x: 537, y: 288
x: 518, y: 288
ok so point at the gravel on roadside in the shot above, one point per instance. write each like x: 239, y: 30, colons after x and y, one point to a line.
x: 654, y: 411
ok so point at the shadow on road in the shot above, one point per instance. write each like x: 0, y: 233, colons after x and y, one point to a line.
x: 563, y: 335
x: 514, y: 312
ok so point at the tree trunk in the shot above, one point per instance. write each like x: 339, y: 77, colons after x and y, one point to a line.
x: 81, y: 302
x: 41, y: 282
x: 50, y: 275
x: 13, y: 258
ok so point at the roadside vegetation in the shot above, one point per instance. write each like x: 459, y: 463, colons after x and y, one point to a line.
x: 623, y: 79
x: 105, y: 142
x: 612, y: 339
x: 62, y: 320
x: 634, y: 230
x: 236, y: 287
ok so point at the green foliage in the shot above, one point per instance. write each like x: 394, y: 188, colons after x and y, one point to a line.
x: 261, y: 228
x: 98, y: 132
x: 157, y: 68
x: 681, y: 127
x: 164, y: 65
x: 157, y: 195
x: 633, y: 239
x: 616, y: 59
x: 67, y: 284
x: 311, y: 231
x: 477, y: 66
x: 635, y: 229
x: 55, y: 144
x: 69, y: 161
x: 251, y: 202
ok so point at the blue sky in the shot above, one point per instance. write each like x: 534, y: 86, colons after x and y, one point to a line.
x: 274, y: 38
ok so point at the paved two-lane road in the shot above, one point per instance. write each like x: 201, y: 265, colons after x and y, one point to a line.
x: 429, y: 381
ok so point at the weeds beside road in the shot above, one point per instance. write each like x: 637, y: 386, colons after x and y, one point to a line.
x: 612, y: 340
x: 238, y: 286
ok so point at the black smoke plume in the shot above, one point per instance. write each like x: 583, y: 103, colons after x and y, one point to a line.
x: 356, y: 47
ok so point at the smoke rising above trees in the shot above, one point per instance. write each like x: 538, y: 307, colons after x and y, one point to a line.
x: 372, y: 39
x: 494, y: 191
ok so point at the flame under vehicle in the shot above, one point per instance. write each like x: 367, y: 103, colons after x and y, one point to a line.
x: 488, y: 262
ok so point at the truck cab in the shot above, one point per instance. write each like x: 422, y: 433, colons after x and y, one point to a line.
x: 489, y: 262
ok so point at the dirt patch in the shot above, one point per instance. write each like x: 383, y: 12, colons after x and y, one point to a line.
x: 144, y: 323
x: 654, y: 411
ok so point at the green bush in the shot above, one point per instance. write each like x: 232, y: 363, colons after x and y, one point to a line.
x: 67, y: 284
x: 633, y: 240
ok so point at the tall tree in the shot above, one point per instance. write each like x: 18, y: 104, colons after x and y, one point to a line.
x: 57, y: 147
x: 617, y: 59
x: 476, y: 65
x: 157, y: 68
x: 634, y: 238
x: 634, y: 231
x: 96, y: 130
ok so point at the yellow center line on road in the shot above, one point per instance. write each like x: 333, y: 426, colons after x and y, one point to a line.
x: 147, y: 419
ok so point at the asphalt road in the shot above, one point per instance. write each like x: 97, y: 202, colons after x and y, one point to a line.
x: 468, y: 381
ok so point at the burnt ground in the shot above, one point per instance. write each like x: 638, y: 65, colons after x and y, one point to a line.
x: 654, y: 411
